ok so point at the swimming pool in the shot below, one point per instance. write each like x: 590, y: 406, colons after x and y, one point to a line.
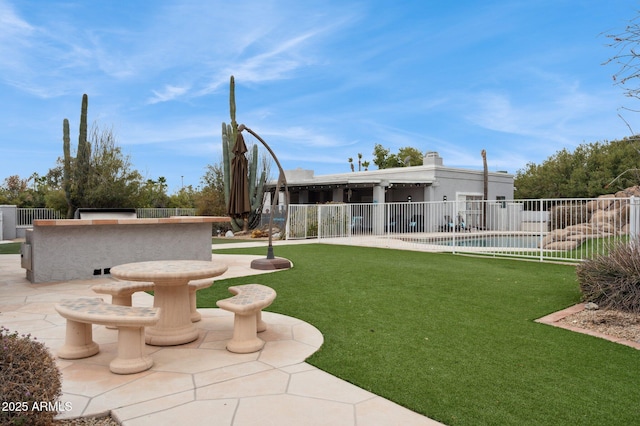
x: 501, y: 241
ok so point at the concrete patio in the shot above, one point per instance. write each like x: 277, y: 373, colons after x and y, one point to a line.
x: 199, y: 382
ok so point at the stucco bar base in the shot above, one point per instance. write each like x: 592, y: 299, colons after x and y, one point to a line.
x: 71, y: 249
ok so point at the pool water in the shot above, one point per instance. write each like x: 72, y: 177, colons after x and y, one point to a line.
x: 503, y: 241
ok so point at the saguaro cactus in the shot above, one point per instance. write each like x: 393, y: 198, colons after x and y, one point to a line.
x: 76, y: 173
x: 256, y: 183
x: 227, y: 133
x: 66, y: 171
x: 83, y: 156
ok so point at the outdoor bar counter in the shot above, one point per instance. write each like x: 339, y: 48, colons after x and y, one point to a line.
x: 70, y: 249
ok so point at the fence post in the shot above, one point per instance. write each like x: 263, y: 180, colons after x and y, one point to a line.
x: 541, y: 223
x: 634, y: 216
x: 387, y: 216
x: 453, y: 219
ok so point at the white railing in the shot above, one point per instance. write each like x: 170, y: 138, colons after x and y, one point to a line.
x: 152, y: 213
x: 26, y: 216
x: 302, y: 222
x: 554, y: 229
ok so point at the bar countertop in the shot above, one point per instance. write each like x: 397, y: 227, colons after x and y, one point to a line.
x: 153, y: 221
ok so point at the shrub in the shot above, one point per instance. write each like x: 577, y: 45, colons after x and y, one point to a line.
x: 29, y: 381
x: 613, y: 280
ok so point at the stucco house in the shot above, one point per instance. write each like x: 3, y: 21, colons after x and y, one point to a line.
x: 433, y: 181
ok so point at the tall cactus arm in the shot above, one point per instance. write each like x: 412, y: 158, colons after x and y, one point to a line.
x: 66, y: 149
x: 82, y: 136
x: 253, y: 170
x: 66, y: 171
x: 226, y: 162
x: 232, y: 108
x: 227, y: 156
x: 83, y: 157
x: 259, y: 191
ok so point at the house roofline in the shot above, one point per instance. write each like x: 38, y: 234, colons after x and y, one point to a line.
x: 382, y: 177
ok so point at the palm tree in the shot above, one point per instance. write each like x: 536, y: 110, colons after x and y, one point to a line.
x: 351, y: 162
x: 359, y: 161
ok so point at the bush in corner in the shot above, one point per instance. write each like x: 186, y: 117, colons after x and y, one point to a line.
x: 613, y: 281
x: 29, y: 381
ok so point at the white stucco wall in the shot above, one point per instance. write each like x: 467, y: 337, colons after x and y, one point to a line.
x: 60, y: 253
x: 8, y: 222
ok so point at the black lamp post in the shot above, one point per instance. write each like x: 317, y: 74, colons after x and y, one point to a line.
x: 271, y: 262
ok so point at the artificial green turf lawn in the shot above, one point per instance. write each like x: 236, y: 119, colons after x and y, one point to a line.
x: 453, y: 337
x: 10, y: 248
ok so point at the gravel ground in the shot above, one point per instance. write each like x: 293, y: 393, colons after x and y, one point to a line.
x: 87, y: 421
x: 618, y: 324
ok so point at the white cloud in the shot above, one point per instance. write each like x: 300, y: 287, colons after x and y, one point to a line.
x: 169, y: 93
x: 275, y: 62
x: 299, y: 138
x: 15, y: 38
x: 11, y: 25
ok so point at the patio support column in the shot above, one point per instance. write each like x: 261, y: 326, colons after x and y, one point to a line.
x: 429, y: 193
x: 338, y: 195
x: 378, y: 209
x: 378, y: 193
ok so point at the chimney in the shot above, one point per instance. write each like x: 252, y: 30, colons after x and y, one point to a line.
x: 431, y: 158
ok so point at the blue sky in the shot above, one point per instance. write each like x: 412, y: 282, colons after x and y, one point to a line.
x: 320, y: 81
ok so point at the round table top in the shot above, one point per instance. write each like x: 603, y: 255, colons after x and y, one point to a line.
x: 166, y: 270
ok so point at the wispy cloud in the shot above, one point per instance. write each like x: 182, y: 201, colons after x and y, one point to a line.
x: 558, y: 118
x: 274, y: 62
x: 194, y: 129
x: 298, y: 138
x: 15, y: 38
x: 169, y: 93
x: 11, y: 25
